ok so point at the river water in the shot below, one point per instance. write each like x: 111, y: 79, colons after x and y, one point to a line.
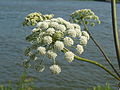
x: 74, y: 76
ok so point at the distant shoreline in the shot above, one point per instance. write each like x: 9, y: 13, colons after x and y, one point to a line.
x: 94, y: 0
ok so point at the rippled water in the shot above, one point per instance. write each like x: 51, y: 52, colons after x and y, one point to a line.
x: 74, y: 76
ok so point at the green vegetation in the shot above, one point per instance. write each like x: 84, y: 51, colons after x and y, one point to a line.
x: 23, y: 83
x: 105, y: 87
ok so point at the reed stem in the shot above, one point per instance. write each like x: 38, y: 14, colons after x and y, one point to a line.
x: 115, y: 31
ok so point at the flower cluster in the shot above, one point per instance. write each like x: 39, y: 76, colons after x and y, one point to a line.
x: 85, y: 16
x: 34, y: 18
x: 50, y: 37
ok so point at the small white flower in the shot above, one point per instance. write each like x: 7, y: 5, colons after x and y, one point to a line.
x: 61, y: 28
x: 42, y: 34
x: 54, y: 20
x: 42, y: 50
x: 79, y: 49
x: 69, y: 26
x: 59, y: 45
x: 71, y: 32
x: 76, y: 26
x: 47, y: 20
x: 55, y: 69
x: 83, y: 40
x: 51, y: 54
x: 50, y: 31
x: 35, y: 58
x: 69, y: 56
x: 68, y: 41
x: 47, y: 40
x: 78, y: 32
x: 35, y: 30
x: 84, y: 33
x: 43, y: 25
x: 39, y: 24
x: 53, y: 24
x: 61, y: 20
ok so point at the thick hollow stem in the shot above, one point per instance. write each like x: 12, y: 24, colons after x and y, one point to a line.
x: 102, y: 51
x: 115, y: 32
x: 99, y: 65
x: 93, y: 62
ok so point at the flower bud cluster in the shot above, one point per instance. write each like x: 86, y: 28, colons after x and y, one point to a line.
x: 85, y: 16
x: 34, y: 18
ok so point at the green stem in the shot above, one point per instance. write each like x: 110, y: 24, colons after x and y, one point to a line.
x: 102, y: 51
x: 106, y: 57
x: 99, y: 65
x: 115, y: 32
x: 93, y: 62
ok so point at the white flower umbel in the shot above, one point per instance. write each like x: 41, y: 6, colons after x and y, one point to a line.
x: 59, y: 45
x: 52, y: 36
x: 84, y: 33
x: 71, y: 32
x: 60, y: 28
x: 50, y: 31
x: 43, y: 25
x: 53, y: 24
x: 68, y: 41
x: 76, y: 26
x: 47, y: 40
x: 55, y: 69
x: 80, y: 49
x: 51, y: 54
x: 69, y: 26
x: 83, y: 40
x: 61, y: 20
x: 42, y: 50
x: 69, y: 56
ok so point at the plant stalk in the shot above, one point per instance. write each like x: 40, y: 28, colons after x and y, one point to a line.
x: 97, y: 64
x: 102, y: 51
x: 115, y: 31
x: 93, y: 62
